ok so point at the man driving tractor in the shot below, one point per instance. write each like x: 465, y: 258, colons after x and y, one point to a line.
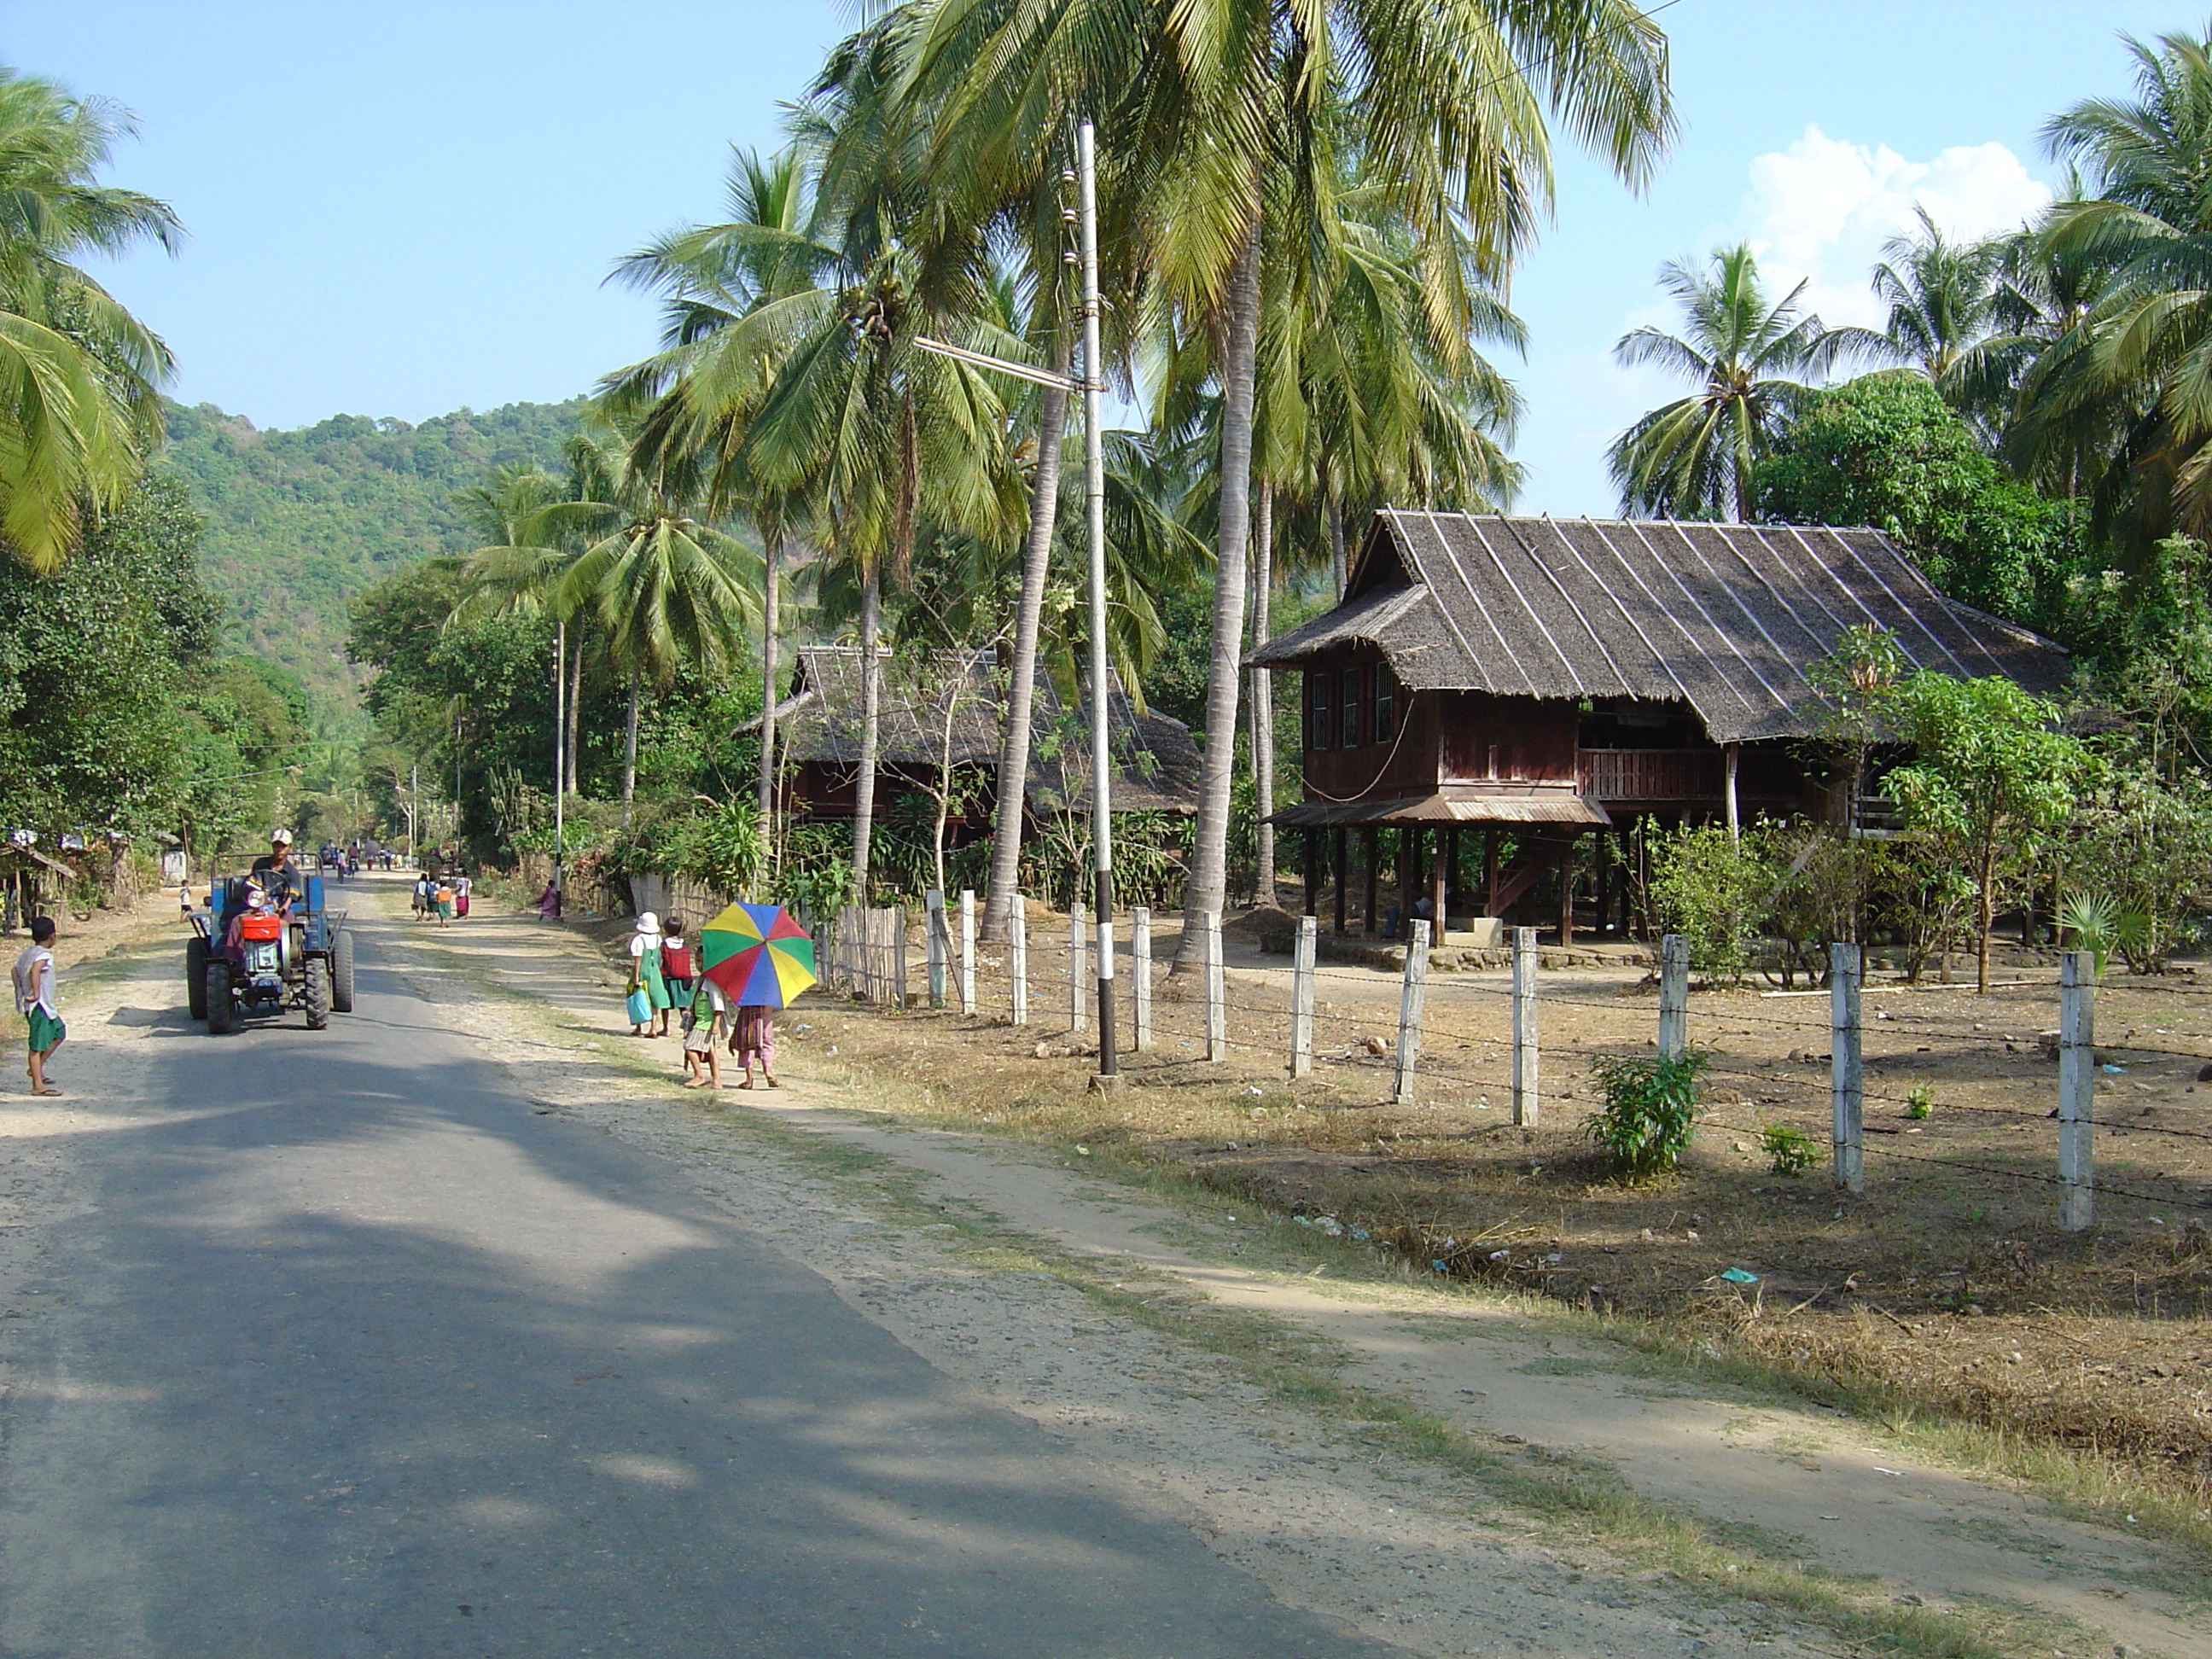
x: 278, y: 877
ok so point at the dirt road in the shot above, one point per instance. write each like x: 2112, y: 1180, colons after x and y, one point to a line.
x: 1298, y: 1452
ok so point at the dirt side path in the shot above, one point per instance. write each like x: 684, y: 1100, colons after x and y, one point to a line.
x: 1328, y: 1515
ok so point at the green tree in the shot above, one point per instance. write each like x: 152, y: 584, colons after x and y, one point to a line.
x: 1943, y: 299
x: 1221, y: 122
x: 1695, y: 457
x: 2121, y: 401
x: 78, y: 409
x: 96, y: 661
x: 1991, y: 778
x: 668, y: 590
x: 1888, y: 451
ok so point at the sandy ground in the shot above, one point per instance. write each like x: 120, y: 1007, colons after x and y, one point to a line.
x: 1327, y: 1515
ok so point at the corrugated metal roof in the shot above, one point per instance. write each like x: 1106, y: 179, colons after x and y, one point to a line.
x: 1726, y: 617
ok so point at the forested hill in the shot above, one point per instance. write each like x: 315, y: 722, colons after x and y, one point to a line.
x: 298, y: 522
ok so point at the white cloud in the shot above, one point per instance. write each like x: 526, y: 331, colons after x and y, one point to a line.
x: 1820, y: 210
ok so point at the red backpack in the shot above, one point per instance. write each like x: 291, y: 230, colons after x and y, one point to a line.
x: 676, y: 962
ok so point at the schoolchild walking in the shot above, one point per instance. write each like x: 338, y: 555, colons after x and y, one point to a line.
x: 752, y: 1042
x: 36, y: 1001
x: 679, y: 962
x: 703, y: 1020
x: 645, y: 976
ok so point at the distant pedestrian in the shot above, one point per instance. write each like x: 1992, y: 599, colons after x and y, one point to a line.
x: 424, y: 889
x: 679, y: 962
x: 463, y: 886
x: 752, y: 1042
x: 703, y: 1019
x: 549, y: 903
x: 442, y: 897
x: 36, y: 1001
x: 645, y: 976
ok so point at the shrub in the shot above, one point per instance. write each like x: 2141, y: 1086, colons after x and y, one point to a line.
x: 1649, y: 1103
x: 1920, y: 1104
x: 1789, y: 1150
x: 1713, y: 889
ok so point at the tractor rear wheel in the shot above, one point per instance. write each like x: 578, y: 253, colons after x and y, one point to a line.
x: 319, y: 993
x: 196, y: 967
x: 341, y: 971
x: 218, y: 998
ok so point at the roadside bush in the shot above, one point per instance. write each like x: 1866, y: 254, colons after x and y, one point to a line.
x: 1651, y: 1103
x: 1713, y: 890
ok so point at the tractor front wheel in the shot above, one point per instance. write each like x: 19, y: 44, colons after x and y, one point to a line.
x: 319, y: 993
x: 196, y: 977
x: 219, y: 1018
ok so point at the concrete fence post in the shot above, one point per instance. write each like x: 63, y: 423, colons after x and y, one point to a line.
x: 968, y: 950
x: 2077, y: 1089
x: 1217, y: 1003
x: 1018, y: 959
x: 1673, y: 996
x: 1302, y: 997
x: 1140, y: 977
x: 1526, y: 1095
x: 1411, y: 996
x: 1079, y: 965
x: 932, y: 917
x: 900, y: 986
x: 1846, y: 1075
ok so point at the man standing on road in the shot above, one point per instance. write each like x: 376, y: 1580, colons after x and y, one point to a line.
x: 35, y: 1001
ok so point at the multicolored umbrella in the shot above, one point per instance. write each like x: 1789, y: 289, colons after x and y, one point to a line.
x: 758, y: 954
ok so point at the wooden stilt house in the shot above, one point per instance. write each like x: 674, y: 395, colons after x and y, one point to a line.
x: 1555, y: 687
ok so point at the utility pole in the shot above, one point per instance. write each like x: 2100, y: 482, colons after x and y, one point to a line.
x: 560, y: 743
x: 1091, y: 383
x: 1094, y: 489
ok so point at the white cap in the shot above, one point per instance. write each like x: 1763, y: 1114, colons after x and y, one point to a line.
x: 648, y: 922
x: 280, y: 833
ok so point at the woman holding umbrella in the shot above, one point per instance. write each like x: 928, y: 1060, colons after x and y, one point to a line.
x: 752, y: 1042
x: 762, y: 958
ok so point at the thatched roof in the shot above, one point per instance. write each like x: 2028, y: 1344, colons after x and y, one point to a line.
x: 1726, y: 617
x: 1156, y: 763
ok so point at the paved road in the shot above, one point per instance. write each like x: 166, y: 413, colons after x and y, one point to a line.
x: 351, y: 1354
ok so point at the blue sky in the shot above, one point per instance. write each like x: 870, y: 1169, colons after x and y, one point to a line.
x: 398, y: 208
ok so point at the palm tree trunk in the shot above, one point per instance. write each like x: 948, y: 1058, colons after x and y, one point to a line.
x: 864, y: 786
x: 1339, y: 567
x: 1263, y: 707
x: 1009, y: 813
x: 629, y: 752
x: 771, y: 572
x: 1209, y: 862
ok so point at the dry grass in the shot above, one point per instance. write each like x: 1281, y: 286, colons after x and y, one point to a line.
x: 1945, y: 1289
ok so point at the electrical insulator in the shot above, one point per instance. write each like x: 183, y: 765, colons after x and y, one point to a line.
x: 1068, y: 175
x: 1070, y: 257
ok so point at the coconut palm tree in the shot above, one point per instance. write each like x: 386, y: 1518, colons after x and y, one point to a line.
x: 761, y: 264
x: 1942, y: 297
x: 518, y: 570
x: 1693, y: 458
x: 2121, y: 401
x: 78, y: 373
x: 1220, y: 118
x: 668, y: 590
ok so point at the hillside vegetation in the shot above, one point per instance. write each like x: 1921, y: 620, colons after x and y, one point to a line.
x: 299, y: 522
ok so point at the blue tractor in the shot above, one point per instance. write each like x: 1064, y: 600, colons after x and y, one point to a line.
x: 249, y: 960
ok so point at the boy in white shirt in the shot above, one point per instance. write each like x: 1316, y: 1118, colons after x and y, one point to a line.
x: 36, y: 1001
